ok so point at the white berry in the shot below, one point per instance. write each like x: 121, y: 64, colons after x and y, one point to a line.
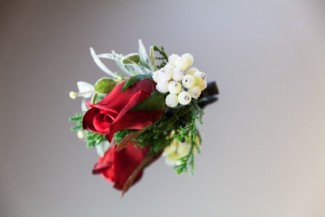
x: 183, y: 148
x: 174, y: 87
x: 182, y: 63
x: 195, y: 91
x: 204, y: 85
x: 73, y: 95
x: 172, y: 58
x: 191, y: 71
x: 200, y: 74
x: 81, y: 134
x: 171, y: 100
x: 189, y: 58
x: 188, y: 81
x: 162, y: 86
x: 184, y: 98
x: 169, y: 66
x: 199, y: 81
x: 165, y: 74
x: 155, y: 76
x: 178, y: 74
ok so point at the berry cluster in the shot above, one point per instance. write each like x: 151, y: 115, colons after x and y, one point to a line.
x: 179, y: 80
x: 175, y: 151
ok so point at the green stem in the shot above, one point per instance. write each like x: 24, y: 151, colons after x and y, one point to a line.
x: 93, y: 98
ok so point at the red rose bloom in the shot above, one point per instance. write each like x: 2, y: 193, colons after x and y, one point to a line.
x: 113, y: 113
x: 118, y: 166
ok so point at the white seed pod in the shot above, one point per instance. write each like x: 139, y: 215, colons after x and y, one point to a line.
x: 182, y: 63
x: 191, y: 71
x: 165, y: 74
x: 184, y: 98
x: 155, y: 76
x: 189, y: 58
x: 188, y: 81
x: 73, y: 95
x: 183, y: 149
x: 169, y: 66
x: 174, y: 87
x: 162, y: 86
x: 172, y: 148
x: 195, y: 91
x: 171, y: 100
x: 199, y: 81
x: 81, y: 134
x: 204, y: 85
x: 172, y: 159
x: 200, y: 74
x: 178, y: 74
x: 172, y: 58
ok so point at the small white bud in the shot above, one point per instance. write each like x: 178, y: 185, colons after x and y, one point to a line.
x: 184, y: 98
x: 172, y: 148
x: 73, y: 95
x: 189, y: 58
x: 81, y: 134
x: 171, y: 100
x: 183, y: 149
x: 165, y: 74
x: 182, y: 63
x: 172, y: 58
x: 178, y: 74
x: 188, y: 81
x: 204, y: 85
x: 174, y: 87
x: 169, y: 66
x: 191, y: 71
x: 172, y: 159
x: 195, y: 91
x: 155, y: 76
x: 200, y: 74
x: 162, y: 86
x: 199, y: 81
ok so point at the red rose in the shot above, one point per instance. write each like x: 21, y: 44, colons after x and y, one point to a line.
x: 118, y: 166
x: 113, y: 113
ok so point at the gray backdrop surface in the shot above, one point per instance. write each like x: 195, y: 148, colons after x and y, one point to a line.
x: 263, y: 149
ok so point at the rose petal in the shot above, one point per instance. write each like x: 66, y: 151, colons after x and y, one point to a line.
x: 136, y: 120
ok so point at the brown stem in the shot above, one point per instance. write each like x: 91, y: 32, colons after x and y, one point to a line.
x: 128, y: 138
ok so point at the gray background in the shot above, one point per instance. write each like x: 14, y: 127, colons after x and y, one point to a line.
x: 263, y: 150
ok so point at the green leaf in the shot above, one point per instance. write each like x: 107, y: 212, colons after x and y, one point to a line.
x: 160, y: 56
x: 143, y: 55
x: 119, y: 135
x: 132, y: 58
x: 101, y: 65
x: 104, y: 85
x: 154, y: 102
x: 131, y: 81
x: 152, y: 58
x: 77, y: 119
x: 93, y: 139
